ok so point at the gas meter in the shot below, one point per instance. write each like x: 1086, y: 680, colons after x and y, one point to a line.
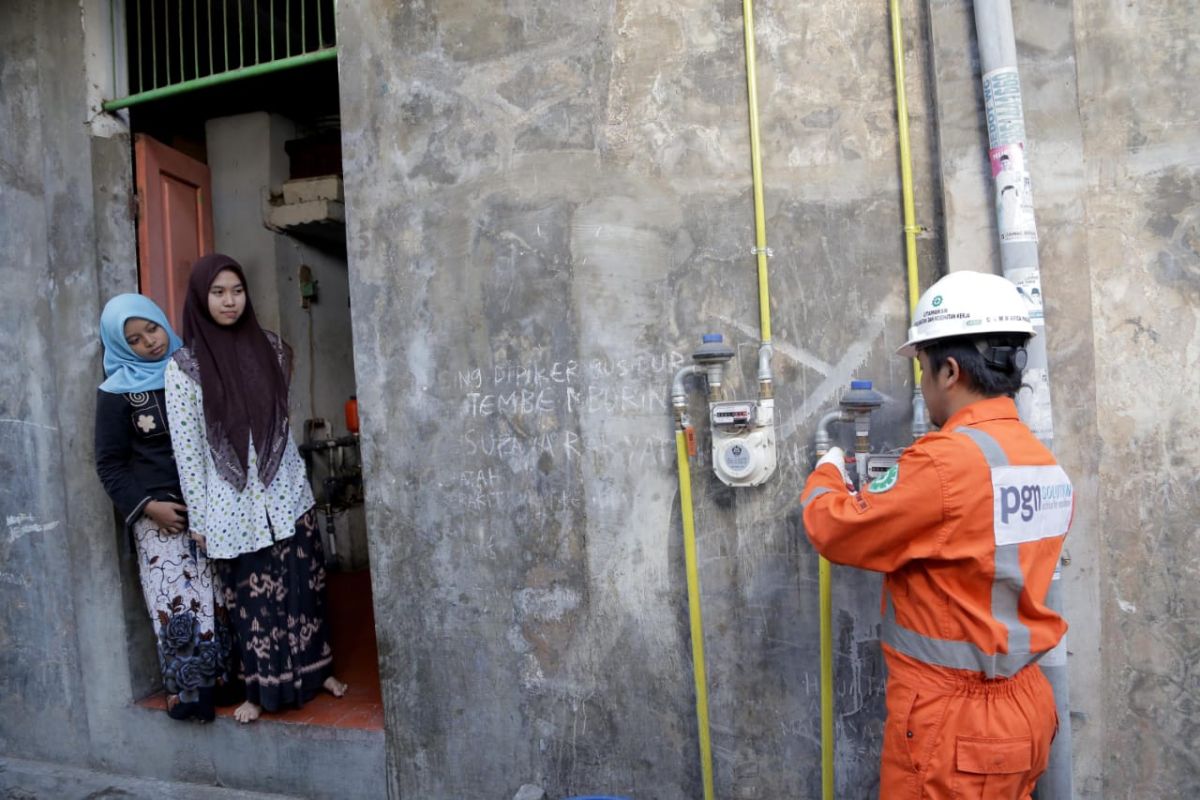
x: 743, y: 431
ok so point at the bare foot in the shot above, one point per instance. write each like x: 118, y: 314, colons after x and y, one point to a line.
x: 335, y: 687
x: 247, y: 712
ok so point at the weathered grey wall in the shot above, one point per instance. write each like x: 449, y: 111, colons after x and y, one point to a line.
x: 42, y: 275
x: 246, y: 159
x: 1140, y: 111
x: 548, y: 205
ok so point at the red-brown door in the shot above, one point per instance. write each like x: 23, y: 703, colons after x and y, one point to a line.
x: 174, y: 222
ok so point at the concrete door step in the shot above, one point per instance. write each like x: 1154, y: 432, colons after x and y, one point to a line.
x: 39, y: 780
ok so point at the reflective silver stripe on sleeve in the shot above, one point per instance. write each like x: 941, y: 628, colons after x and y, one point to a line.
x: 813, y: 495
x: 951, y: 653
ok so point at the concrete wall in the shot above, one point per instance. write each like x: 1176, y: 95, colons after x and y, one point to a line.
x: 246, y: 158
x: 548, y: 205
x: 1142, y: 200
x: 559, y: 187
x: 47, y: 183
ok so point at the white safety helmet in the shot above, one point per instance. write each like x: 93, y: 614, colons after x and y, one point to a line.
x: 967, y: 303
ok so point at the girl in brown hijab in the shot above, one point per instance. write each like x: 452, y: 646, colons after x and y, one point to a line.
x: 248, y: 498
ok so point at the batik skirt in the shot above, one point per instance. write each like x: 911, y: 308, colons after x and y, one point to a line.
x: 191, y: 622
x: 276, y: 599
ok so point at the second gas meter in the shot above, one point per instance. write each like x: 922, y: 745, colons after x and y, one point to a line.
x: 743, y: 431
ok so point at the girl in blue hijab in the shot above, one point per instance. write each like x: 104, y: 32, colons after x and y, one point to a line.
x: 136, y: 464
x: 138, y: 341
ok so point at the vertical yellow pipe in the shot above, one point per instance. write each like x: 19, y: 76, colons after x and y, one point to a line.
x: 764, y: 310
x: 760, y: 221
x: 826, y: 590
x: 697, y: 625
x: 911, y: 229
x: 825, y: 593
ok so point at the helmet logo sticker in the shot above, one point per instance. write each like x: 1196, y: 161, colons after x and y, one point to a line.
x: 885, y: 481
x: 937, y: 301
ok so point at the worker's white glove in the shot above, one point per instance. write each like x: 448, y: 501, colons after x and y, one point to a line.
x: 837, y: 458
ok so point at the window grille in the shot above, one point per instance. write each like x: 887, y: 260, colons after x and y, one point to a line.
x: 177, y: 46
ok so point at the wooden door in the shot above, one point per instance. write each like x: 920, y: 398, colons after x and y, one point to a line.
x: 174, y: 222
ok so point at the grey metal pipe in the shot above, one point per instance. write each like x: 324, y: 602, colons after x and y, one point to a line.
x: 766, y: 380
x: 1017, y: 229
x: 679, y: 391
x: 824, y: 440
x: 920, y: 426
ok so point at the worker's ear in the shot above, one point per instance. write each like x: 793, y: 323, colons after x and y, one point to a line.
x: 950, y: 374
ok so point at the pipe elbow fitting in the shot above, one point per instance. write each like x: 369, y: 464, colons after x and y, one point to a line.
x: 824, y: 439
x: 678, y: 390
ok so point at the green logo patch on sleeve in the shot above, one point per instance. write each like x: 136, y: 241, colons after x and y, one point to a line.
x: 885, y: 481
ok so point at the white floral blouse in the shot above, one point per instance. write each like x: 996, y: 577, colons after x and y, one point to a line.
x: 233, y: 522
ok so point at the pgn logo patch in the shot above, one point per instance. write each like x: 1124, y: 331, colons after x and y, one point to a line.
x: 1031, y: 503
x: 885, y: 481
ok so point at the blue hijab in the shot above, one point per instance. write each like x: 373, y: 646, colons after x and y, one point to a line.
x: 126, y: 370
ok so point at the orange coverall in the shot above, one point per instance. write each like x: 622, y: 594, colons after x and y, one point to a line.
x: 967, y: 530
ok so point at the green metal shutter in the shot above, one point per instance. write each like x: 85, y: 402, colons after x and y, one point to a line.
x: 178, y: 46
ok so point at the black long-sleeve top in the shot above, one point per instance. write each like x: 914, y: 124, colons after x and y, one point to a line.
x: 133, y: 451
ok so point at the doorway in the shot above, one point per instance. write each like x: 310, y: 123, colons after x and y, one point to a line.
x: 252, y: 168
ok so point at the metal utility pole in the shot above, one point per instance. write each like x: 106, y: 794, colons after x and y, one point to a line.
x: 1019, y: 260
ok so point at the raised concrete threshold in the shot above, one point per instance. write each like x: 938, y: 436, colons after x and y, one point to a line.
x: 40, y: 780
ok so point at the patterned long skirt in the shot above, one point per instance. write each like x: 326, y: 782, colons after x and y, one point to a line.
x: 191, y: 622
x: 276, y: 598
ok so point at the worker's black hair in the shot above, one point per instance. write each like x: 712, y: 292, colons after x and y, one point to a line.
x: 993, y: 372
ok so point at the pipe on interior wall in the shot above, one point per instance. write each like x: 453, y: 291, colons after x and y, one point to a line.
x: 911, y: 228
x: 1019, y: 261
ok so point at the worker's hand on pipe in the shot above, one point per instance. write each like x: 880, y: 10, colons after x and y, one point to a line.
x: 837, y: 458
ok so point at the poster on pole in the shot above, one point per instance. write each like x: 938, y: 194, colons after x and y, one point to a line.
x: 1002, y: 104
x: 1029, y: 286
x: 1014, y: 194
x: 1033, y: 403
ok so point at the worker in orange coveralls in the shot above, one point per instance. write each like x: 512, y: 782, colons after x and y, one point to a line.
x: 967, y: 529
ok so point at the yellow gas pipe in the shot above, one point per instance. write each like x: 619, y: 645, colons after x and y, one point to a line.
x: 681, y: 445
x: 911, y: 228
x: 760, y: 217
x: 764, y: 308
x: 697, y: 624
x: 826, y: 593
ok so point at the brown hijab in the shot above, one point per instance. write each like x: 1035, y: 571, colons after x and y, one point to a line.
x: 241, y: 376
